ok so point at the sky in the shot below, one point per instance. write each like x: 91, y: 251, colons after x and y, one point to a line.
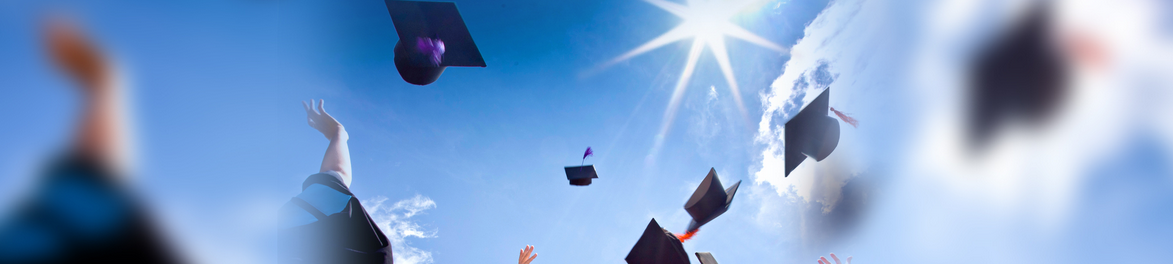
x: 470, y: 168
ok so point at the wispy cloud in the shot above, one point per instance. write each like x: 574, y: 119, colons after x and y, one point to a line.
x: 395, y: 220
x: 707, y: 123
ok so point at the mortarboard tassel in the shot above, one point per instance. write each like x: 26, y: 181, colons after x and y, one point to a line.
x: 586, y: 154
x: 846, y: 118
x: 687, y: 235
x: 432, y: 48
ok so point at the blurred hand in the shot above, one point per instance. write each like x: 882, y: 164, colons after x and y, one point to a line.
x: 77, y: 56
x: 823, y: 260
x: 323, y: 122
x: 522, y: 259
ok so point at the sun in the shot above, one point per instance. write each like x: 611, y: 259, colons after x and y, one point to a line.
x: 707, y: 23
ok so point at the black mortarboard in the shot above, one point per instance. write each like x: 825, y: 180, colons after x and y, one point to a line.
x: 1019, y: 77
x: 706, y: 258
x: 581, y: 175
x: 709, y: 200
x: 657, y: 246
x: 432, y: 36
x: 811, y: 133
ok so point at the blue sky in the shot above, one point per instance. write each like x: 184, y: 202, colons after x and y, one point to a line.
x: 217, y: 87
x: 472, y: 164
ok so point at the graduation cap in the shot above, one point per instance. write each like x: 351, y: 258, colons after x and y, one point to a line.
x: 709, y: 201
x: 432, y: 36
x: 581, y: 175
x: 706, y: 258
x: 1019, y: 77
x: 657, y: 246
x: 811, y: 133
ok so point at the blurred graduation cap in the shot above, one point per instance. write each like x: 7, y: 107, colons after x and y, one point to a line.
x: 432, y: 36
x: 1019, y: 77
x: 811, y: 133
x: 709, y: 200
x: 657, y: 246
x: 581, y: 175
x: 706, y: 258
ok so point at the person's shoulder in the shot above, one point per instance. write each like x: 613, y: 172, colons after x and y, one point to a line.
x: 322, y: 195
x: 73, y: 165
x: 330, y: 179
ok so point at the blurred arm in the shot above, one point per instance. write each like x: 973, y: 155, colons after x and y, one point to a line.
x: 101, y: 135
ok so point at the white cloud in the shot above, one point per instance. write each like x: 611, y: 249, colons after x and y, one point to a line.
x: 820, y: 203
x: 395, y: 220
x: 827, y: 57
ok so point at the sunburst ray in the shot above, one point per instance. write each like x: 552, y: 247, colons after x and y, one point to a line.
x: 707, y: 23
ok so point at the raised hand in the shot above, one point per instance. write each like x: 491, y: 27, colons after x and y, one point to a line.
x: 525, y: 258
x: 823, y: 260
x: 77, y: 56
x: 323, y: 122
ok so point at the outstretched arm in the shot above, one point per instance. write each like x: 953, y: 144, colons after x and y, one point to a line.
x: 337, y: 153
x: 101, y: 135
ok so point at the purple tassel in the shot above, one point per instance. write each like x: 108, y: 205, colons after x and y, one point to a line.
x: 433, y: 49
x: 587, y: 154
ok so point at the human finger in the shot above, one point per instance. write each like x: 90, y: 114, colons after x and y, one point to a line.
x: 849, y: 260
x: 824, y: 259
x: 309, y: 110
x: 836, y: 258
x: 531, y: 258
x: 322, y: 106
x: 521, y: 255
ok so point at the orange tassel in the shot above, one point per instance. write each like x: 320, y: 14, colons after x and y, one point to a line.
x: 687, y: 235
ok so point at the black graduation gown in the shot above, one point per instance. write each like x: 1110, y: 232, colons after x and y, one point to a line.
x: 348, y: 236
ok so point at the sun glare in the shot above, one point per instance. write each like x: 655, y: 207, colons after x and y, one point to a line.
x: 707, y: 23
